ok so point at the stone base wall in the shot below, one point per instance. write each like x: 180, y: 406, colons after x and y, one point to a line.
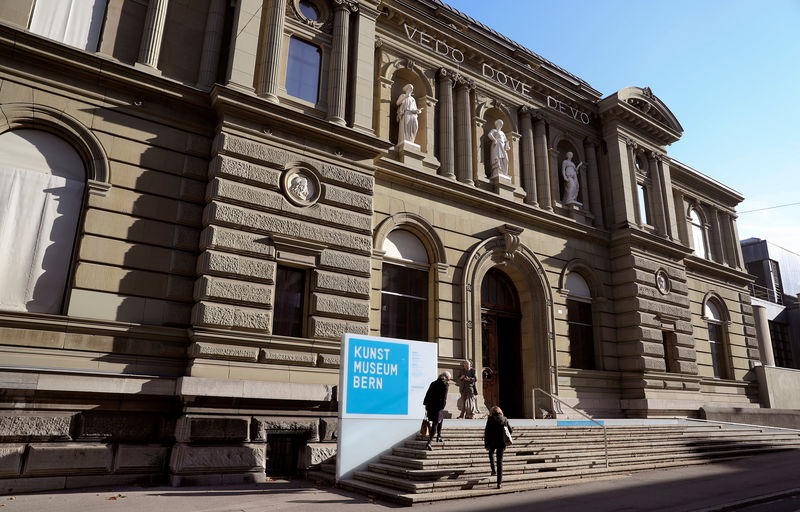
x: 57, y: 450
x: 147, y: 442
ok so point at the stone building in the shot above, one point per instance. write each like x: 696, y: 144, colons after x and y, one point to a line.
x: 199, y: 198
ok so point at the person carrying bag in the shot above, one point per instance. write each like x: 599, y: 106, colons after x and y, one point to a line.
x: 496, y: 436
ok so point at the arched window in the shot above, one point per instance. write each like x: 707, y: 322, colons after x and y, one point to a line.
x: 303, y: 70
x: 716, y: 339
x: 698, y: 234
x: 404, y: 291
x: 41, y: 189
x: 579, y: 322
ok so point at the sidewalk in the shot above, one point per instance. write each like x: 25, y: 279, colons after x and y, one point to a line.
x: 712, y: 487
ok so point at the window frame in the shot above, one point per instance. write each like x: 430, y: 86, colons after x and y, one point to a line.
x: 425, y: 327
x: 304, y: 298
x: 319, y: 72
x: 582, y: 327
x: 698, y: 231
x: 719, y: 348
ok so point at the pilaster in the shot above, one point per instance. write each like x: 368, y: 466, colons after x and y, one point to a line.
x: 153, y: 32
x: 528, y: 153
x: 554, y: 170
x: 270, y: 42
x: 446, y: 150
x: 463, y: 140
x: 540, y: 156
x: 364, y: 76
x: 337, y: 74
x: 594, y: 183
x: 672, y: 216
x: 657, y: 196
x: 212, y: 42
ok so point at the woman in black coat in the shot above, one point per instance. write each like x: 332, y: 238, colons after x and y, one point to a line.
x: 493, y: 440
x: 434, y: 402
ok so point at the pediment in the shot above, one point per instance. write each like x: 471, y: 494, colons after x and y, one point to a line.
x: 641, y: 108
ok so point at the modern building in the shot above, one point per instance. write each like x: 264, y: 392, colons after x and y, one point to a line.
x: 775, y: 291
x: 200, y: 198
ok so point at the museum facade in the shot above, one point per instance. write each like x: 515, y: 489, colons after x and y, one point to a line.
x: 201, y: 198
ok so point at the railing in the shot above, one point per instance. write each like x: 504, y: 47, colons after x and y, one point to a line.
x: 764, y: 293
x: 605, y: 434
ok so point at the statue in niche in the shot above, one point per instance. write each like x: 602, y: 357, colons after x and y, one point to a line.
x: 500, y: 148
x: 299, y: 187
x: 570, y: 173
x: 407, y: 113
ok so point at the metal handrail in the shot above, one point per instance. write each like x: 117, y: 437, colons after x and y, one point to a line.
x: 605, y: 434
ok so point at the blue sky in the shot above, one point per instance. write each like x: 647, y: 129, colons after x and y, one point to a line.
x: 729, y: 70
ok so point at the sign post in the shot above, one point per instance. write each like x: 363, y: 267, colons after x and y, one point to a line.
x: 382, y: 383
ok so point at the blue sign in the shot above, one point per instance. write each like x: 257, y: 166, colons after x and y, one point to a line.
x: 377, y: 377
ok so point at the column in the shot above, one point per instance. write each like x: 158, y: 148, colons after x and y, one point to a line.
x: 671, y: 214
x: 528, y: 156
x: 464, y: 130
x: 211, y: 44
x: 150, y: 47
x: 639, y: 215
x: 272, y: 21
x: 764, y: 338
x: 584, y: 190
x: 554, y: 170
x: 657, y: 197
x: 446, y: 151
x: 337, y: 72
x: 594, y: 183
x: 364, y: 77
x: 542, y: 171
x: 737, y: 259
x: 719, y: 239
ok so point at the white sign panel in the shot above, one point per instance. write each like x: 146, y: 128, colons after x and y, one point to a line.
x: 382, y: 383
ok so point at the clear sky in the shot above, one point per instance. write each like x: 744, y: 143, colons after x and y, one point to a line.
x: 729, y: 70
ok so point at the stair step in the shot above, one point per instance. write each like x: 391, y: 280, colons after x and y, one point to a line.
x: 552, y: 456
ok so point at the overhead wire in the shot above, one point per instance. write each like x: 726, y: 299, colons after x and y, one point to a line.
x: 768, y: 208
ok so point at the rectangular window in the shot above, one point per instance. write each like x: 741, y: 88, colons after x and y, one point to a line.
x: 404, y: 303
x: 290, y: 291
x: 581, y: 334
x: 781, y: 347
x: 74, y: 22
x: 303, y: 70
x: 670, y: 351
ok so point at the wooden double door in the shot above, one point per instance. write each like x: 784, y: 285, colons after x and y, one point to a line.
x: 501, y: 365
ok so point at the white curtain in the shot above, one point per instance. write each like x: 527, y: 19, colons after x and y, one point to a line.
x: 41, y: 190
x: 73, y: 22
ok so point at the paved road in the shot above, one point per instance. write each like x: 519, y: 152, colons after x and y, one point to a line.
x: 767, y: 483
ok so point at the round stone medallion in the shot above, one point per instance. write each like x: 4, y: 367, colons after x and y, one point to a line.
x: 301, y: 187
x: 662, y: 282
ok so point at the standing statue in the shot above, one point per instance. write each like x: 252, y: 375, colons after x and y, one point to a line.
x: 500, y: 148
x: 407, y: 113
x: 570, y: 173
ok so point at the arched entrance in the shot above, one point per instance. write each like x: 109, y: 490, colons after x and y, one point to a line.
x: 501, y: 363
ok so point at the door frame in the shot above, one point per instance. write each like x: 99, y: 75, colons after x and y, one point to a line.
x: 537, y: 325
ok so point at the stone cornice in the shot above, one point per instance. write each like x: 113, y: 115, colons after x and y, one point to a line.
x: 513, y: 212
x: 227, y: 101
x: 698, y: 184
x: 21, y: 45
x: 633, y: 237
x: 718, y: 270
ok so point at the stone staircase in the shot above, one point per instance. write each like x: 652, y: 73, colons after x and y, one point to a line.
x: 458, y: 467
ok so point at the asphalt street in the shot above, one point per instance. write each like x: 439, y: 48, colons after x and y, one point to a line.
x: 765, y: 483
